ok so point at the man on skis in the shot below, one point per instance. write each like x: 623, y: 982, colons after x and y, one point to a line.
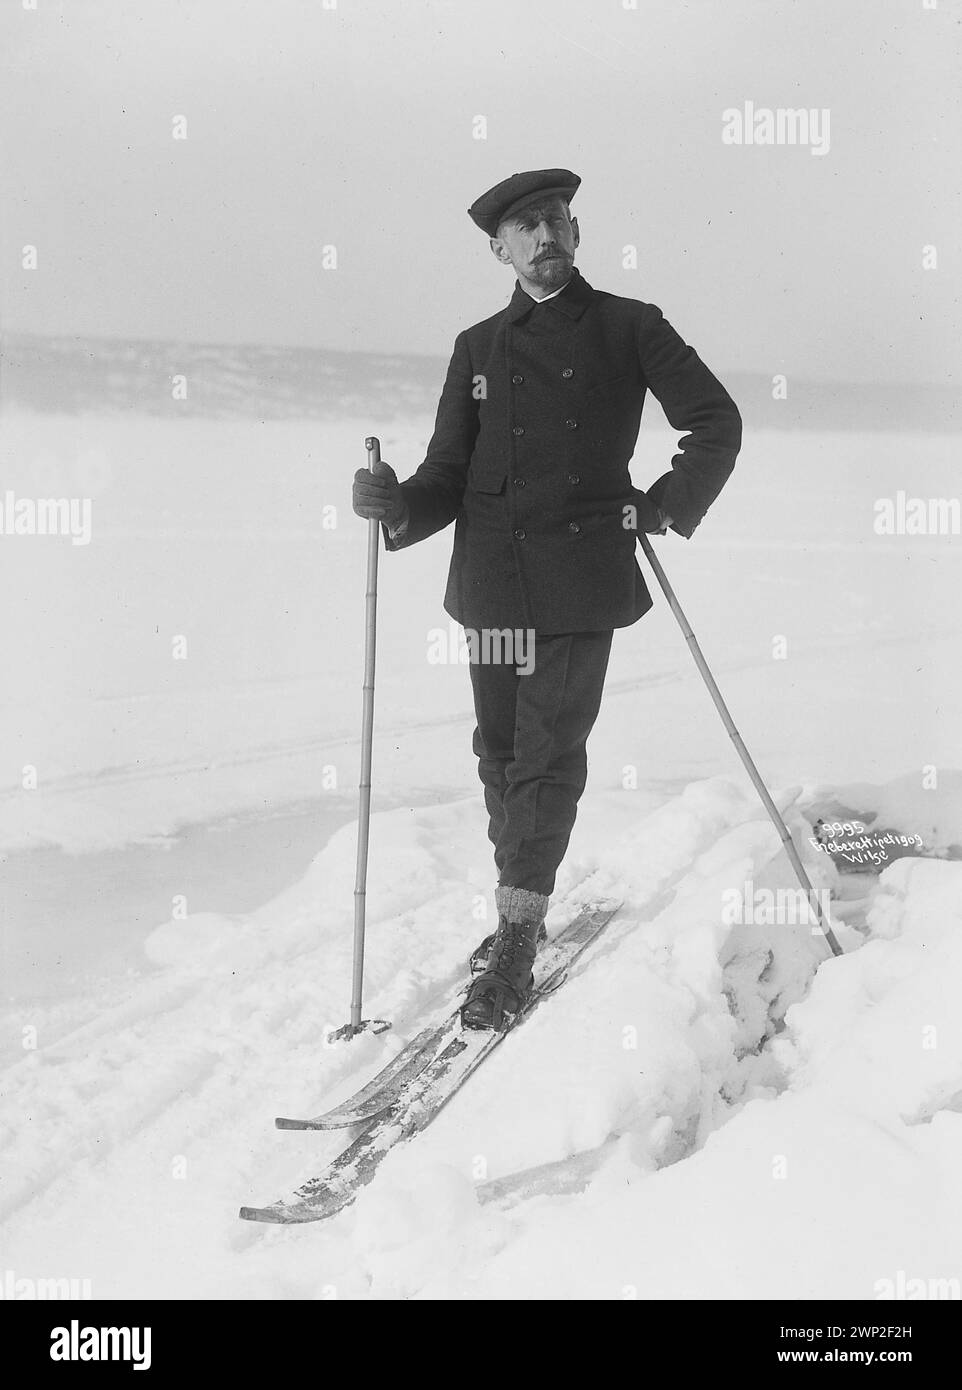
x: 536, y: 425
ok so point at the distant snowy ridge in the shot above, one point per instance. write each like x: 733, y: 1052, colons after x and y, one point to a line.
x: 276, y: 382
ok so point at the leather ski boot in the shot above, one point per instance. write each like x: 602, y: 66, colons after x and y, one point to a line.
x: 478, y: 960
x: 496, y: 996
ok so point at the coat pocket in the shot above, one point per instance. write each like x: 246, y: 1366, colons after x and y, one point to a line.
x: 491, y: 481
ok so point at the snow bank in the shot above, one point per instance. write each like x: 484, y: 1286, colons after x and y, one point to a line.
x: 707, y: 1109
x: 186, y: 1065
x: 844, y: 1185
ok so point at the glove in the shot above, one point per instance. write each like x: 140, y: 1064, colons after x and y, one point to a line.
x: 650, y: 519
x: 377, y: 495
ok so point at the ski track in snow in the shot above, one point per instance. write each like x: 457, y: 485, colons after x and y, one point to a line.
x: 166, y: 1063
x: 391, y: 729
x: 142, y: 1128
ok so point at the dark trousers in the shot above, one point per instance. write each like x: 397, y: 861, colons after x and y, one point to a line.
x: 530, y: 743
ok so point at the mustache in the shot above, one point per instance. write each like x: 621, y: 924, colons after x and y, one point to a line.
x: 551, y: 256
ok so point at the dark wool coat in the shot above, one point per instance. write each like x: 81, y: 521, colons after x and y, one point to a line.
x: 536, y: 424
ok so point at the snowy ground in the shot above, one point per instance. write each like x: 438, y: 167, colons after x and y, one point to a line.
x: 703, y: 1112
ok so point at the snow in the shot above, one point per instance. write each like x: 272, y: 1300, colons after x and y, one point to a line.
x: 711, y: 1166
x: 705, y: 1110
x: 217, y: 532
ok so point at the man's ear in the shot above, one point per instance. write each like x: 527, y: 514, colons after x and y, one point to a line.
x: 499, y: 250
x: 574, y: 228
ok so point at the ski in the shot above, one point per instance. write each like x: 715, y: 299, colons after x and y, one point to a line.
x: 425, y: 1096
x: 378, y: 1094
x: 384, y: 1088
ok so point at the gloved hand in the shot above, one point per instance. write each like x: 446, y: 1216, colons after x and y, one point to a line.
x: 650, y: 519
x: 378, y: 495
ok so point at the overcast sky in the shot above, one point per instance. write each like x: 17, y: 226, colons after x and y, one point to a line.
x: 354, y: 127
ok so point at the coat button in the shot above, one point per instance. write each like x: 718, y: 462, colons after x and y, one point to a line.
x: 566, y: 372
x: 517, y: 379
x: 519, y: 534
x: 574, y: 528
x: 518, y: 429
x: 574, y: 477
x: 519, y: 482
x: 572, y: 424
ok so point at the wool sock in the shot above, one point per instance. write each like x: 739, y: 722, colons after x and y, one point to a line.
x: 521, y: 904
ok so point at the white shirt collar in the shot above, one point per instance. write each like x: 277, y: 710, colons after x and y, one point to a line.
x: 552, y: 294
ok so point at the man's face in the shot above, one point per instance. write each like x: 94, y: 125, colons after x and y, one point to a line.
x: 540, y: 242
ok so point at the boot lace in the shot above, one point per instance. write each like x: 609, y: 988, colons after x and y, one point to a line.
x: 512, y: 937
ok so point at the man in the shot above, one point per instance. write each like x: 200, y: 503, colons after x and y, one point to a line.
x: 536, y: 425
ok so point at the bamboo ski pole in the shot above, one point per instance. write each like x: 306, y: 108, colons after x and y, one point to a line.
x: 743, y: 753
x: 356, y: 1025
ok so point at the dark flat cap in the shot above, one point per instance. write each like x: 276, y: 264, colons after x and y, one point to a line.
x: 512, y: 194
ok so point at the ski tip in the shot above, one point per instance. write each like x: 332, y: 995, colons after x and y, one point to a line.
x: 335, y: 1119
x: 257, y: 1214
x: 289, y: 1213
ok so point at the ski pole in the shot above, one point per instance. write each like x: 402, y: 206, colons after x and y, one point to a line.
x: 742, y: 751
x: 356, y: 1025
